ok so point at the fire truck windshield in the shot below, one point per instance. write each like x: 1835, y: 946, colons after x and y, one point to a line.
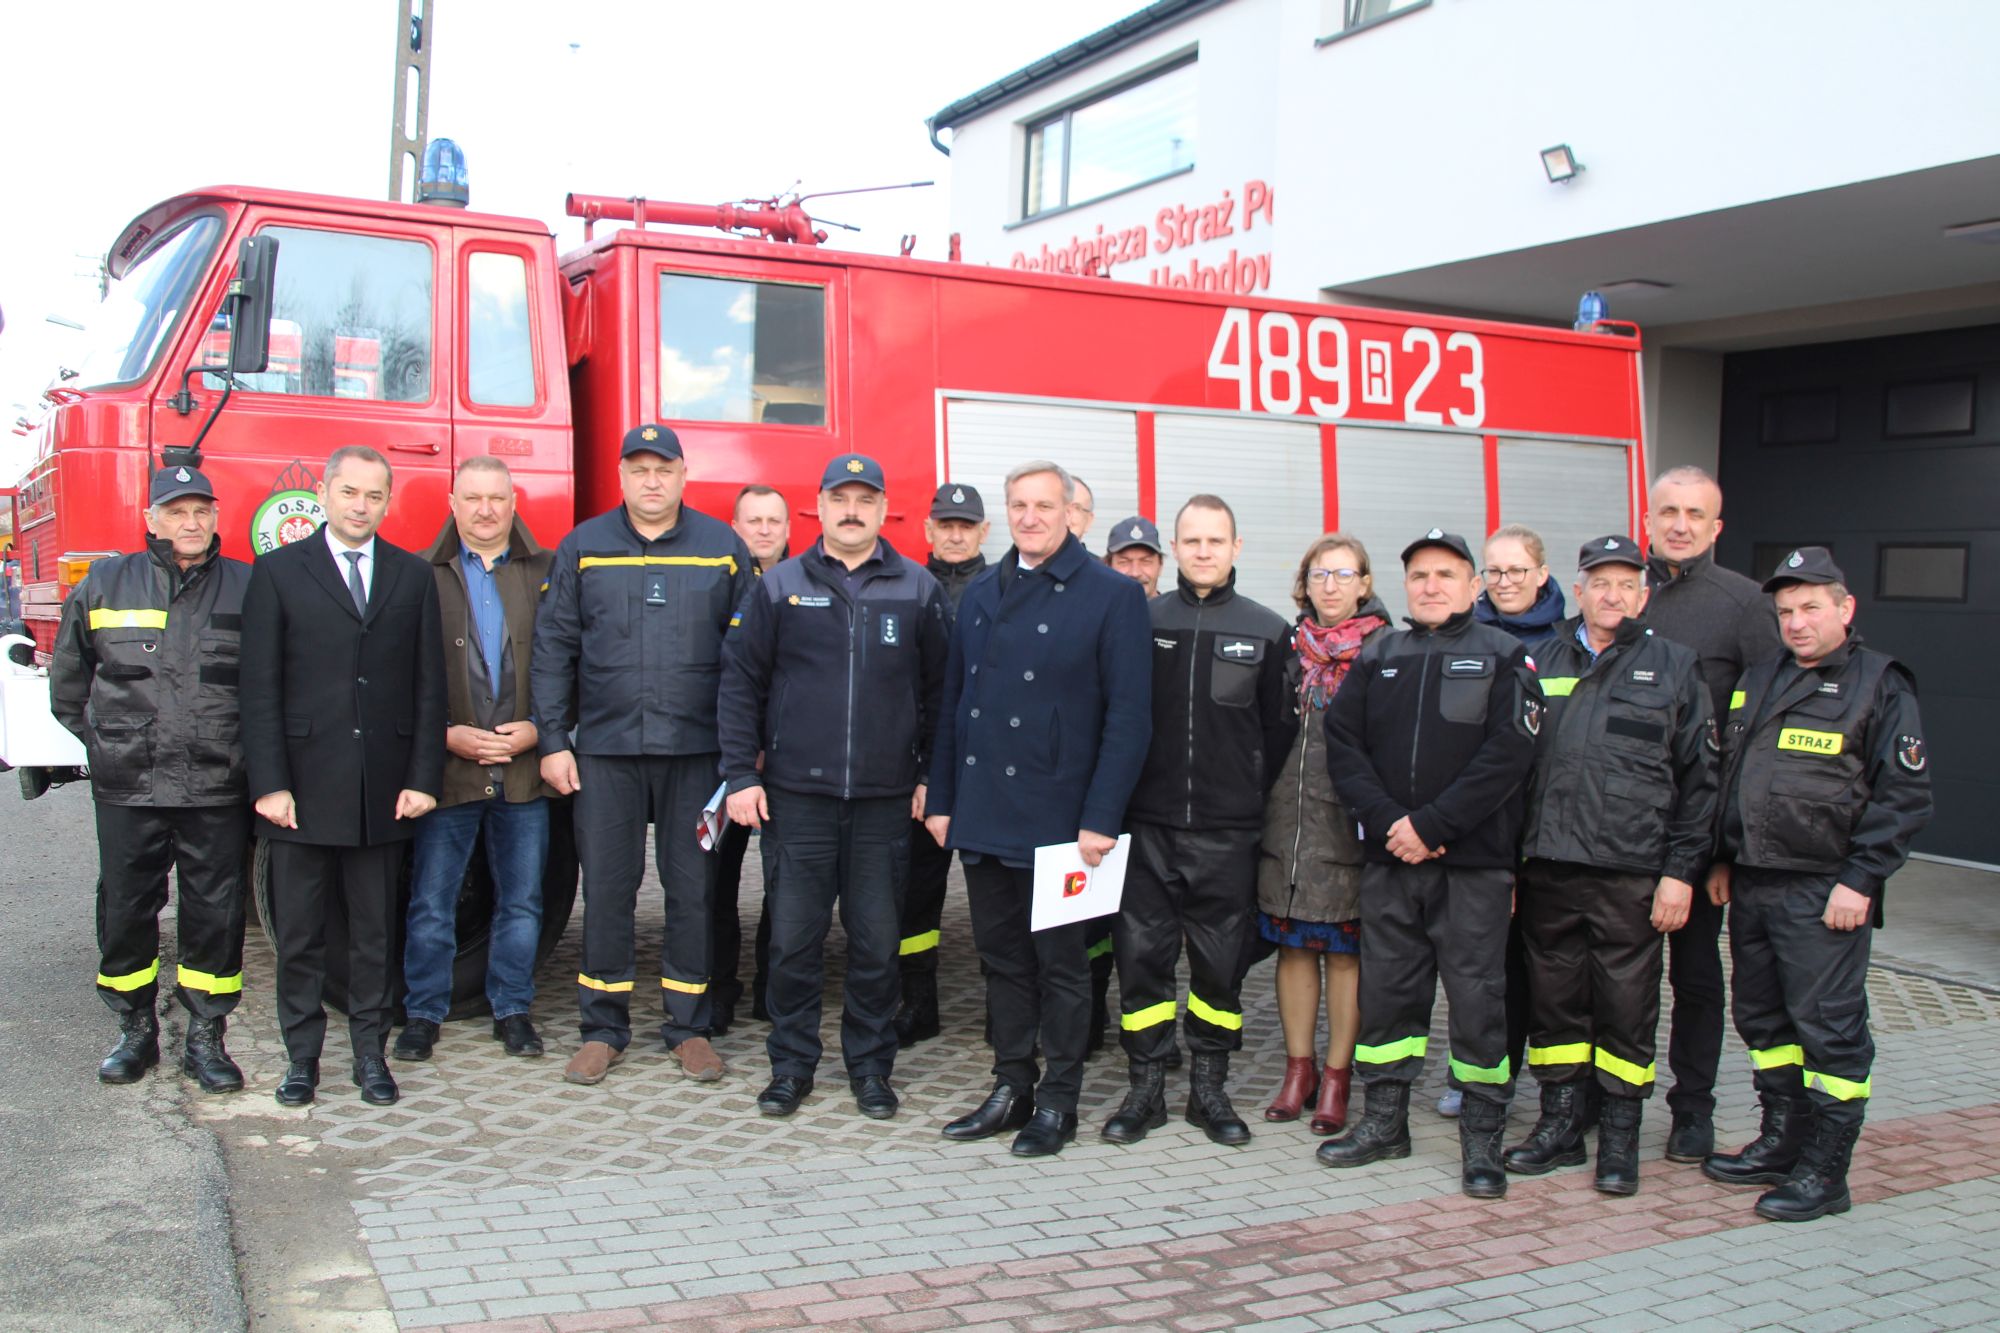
x: 142, y: 309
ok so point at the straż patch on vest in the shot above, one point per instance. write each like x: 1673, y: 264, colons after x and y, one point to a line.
x: 1910, y: 753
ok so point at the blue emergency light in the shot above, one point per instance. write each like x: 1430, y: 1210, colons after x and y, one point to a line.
x: 1589, y: 310
x: 444, y: 179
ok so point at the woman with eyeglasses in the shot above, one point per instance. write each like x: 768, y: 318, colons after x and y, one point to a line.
x: 1309, y: 863
x: 1520, y: 597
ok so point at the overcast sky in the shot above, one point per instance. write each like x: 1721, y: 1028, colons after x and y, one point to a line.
x: 112, y: 105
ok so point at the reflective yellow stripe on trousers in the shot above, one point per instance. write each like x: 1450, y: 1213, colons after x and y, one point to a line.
x: 208, y: 981
x: 1845, y: 1090
x: 1466, y: 1073
x: 918, y: 943
x: 684, y: 987
x: 1151, y: 1016
x: 1639, y: 1076
x: 145, y: 976
x: 1208, y: 1013
x: 1409, y: 1048
x: 609, y: 987
x: 1569, y: 1053
x: 1777, y: 1057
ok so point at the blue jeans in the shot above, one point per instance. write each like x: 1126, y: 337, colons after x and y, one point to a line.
x: 517, y: 846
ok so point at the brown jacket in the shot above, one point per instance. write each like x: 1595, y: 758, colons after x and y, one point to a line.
x: 521, y: 581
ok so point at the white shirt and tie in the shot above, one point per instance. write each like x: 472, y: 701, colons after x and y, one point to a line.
x: 356, y: 565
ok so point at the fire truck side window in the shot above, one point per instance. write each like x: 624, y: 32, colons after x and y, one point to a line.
x: 734, y: 350
x: 500, y: 359
x: 351, y: 319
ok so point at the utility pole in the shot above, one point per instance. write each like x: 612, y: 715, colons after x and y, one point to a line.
x: 415, y: 38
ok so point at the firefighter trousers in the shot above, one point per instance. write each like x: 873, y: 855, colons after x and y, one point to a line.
x: 725, y: 932
x: 923, y: 901
x: 1801, y: 996
x: 1594, y: 964
x: 620, y: 795
x: 1419, y: 924
x: 1198, y: 884
x: 205, y: 847
x: 826, y: 850
x: 1037, y: 985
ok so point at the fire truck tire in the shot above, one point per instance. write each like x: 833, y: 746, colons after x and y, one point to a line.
x: 475, y: 917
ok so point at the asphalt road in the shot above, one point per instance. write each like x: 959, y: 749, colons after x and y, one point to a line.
x: 114, y: 1208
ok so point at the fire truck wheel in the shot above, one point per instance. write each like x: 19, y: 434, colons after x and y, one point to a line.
x: 475, y: 917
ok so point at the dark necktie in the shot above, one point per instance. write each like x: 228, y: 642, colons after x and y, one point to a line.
x: 354, y: 584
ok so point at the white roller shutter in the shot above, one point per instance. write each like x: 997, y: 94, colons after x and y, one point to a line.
x: 1396, y: 485
x: 1569, y: 493
x: 987, y: 440
x: 1268, y: 471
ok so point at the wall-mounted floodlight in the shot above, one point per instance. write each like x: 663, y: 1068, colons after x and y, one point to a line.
x: 1561, y: 164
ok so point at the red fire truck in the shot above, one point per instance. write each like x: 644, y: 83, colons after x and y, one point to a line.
x: 436, y: 334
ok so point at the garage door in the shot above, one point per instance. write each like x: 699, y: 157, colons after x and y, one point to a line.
x: 987, y: 440
x: 1268, y: 471
x: 1395, y: 485
x: 1569, y: 493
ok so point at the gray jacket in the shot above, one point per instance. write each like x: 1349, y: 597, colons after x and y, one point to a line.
x: 1309, y: 862
x: 1725, y: 617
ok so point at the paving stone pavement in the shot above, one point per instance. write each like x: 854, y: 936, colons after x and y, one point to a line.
x: 494, y: 1196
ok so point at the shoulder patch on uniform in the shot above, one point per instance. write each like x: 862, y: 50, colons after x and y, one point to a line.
x: 1531, y: 714
x: 1910, y: 753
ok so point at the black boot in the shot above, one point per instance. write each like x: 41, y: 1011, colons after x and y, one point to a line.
x: 1481, y: 1125
x: 138, y: 1048
x: 1618, y: 1145
x: 1557, y: 1138
x: 1382, y: 1132
x: 1145, y: 1106
x: 1208, y: 1107
x: 1818, y: 1184
x: 917, y: 1015
x: 205, y: 1061
x: 1770, y: 1158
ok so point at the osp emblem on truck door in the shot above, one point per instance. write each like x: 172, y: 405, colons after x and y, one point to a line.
x: 291, y: 512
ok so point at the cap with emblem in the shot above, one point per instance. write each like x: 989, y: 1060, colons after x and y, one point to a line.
x: 1134, y: 531
x: 171, y: 483
x: 852, y: 467
x: 1450, y: 541
x: 651, y: 439
x: 1617, y: 549
x: 954, y: 500
x: 1808, y: 564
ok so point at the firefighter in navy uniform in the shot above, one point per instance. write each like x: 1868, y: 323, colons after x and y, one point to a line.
x: 1222, y: 723
x: 1429, y: 743
x: 955, y: 529
x: 1824, y: 782
x: 145, y: 674
x: 1620, y: 818
x: 626, y: 664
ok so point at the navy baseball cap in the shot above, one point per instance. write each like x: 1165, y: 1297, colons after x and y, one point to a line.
x: 171, y: 483
x: 1450, y: 541
x: 651, y: 439
x: 1808, y: 564
x: 1616, y: 549
x: 1137, y: 530
x: 853, y: 467
x: 955, y: 501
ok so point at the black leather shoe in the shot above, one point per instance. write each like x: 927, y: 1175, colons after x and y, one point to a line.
x: 875, y: 1097
x: 378, y: 1086
x: 205, y: 1061
x: 518, y: 1034
x: 1045, y: 1133
x: 414, y: 1042
x: 1692, y: 1137
x: 296, y: 1088
x: 1004, y: 1109
x: 138, y: 1047
x: 783, y: 1094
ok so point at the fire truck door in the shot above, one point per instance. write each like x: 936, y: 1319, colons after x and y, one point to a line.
x: 359, y: 356
x: 510, y: 399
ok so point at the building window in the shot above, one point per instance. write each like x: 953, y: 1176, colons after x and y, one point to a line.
x: 1921, y: 572
x: 1134, y: 134
x: 1350, y: 16
x: 733, y: 350
x: 1804, y: 416
x: 1928, y: 407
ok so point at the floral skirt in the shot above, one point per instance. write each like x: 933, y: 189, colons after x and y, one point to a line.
x: 1319, y: 936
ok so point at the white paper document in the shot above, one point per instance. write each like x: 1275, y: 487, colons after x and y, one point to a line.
x: 1067, y: 890
x: 708, y: 829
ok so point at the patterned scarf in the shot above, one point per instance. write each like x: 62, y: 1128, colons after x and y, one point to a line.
x: 1326, y: 651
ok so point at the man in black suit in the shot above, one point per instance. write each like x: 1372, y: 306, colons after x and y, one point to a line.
x: 343, y: 731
